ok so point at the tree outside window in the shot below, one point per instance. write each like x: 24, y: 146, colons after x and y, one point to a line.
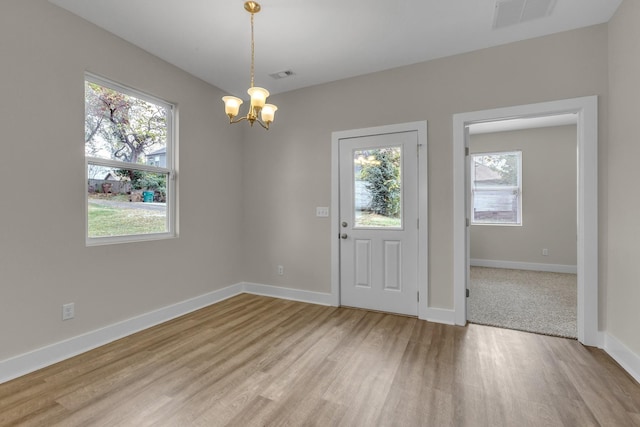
x: 379, y: 171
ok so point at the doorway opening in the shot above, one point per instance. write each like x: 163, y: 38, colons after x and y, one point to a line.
x: 585, y: 110
x: 522, y: 194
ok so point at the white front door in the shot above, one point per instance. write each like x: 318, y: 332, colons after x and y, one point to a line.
x: 379, y: 222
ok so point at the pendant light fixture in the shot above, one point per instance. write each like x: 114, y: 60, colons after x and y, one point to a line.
x: 258, y: 95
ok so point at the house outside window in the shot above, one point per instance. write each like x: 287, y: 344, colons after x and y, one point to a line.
x: 158, y: 158
x: 496, y: 188
x: 129, y: 151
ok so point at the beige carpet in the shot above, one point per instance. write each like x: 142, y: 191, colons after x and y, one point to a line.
x: 531, y: 301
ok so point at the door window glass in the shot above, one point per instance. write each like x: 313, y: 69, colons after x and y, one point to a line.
x: 377, y: 187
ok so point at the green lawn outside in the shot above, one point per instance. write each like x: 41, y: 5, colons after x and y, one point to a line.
x: 110, y: 221
x: 375, y: 220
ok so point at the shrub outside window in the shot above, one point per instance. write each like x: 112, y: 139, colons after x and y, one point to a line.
x: 496, y: 188
x: 129, y: 152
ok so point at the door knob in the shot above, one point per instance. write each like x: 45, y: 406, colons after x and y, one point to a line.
x: 343, y: 236
x: 344, y: 223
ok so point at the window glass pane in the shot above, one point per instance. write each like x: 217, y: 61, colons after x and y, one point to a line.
x: 124, y: 128
x: 378, y: 187
x: 124, y: 202
x: 496, y: 188
x: 499, y: 169
x: 496, y: 207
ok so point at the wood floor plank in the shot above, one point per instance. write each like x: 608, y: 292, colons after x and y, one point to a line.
x: 253, y: 360
x: 606, y: 408
x: 31, y: 413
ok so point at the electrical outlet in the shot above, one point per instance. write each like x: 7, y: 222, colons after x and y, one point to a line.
x: 68, y: 311
x: 280, y: 270
x: 545, y: 252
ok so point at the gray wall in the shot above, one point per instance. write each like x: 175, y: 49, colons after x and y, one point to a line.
x: 288, y: 169
x: 43, y: 258
x: 549, y: 195
x: 621, y: 250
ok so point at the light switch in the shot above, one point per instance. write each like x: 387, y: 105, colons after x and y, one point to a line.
x: 322, y: 211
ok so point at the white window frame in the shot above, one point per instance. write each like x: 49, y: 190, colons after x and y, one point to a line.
x: 170, y: 169
x: 517, y: 189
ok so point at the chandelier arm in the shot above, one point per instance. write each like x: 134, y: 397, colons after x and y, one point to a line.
x: 232, y: 121
x: 249, y: 119
x: 266, y: 126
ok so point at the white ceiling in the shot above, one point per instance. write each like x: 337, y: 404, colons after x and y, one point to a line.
x: 319, y: 41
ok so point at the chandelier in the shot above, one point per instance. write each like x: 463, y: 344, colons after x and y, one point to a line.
x: 258, y: 95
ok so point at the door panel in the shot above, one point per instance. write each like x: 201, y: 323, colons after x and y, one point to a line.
x: 363, y: 263
x: 392, y: 263
x: 378, y: 222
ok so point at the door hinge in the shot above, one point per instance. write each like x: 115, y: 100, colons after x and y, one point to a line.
x: 418, y: 296
x: 418, y: 221
x: 467, y: 292
x: 466, y: 151
x: 467, y: 221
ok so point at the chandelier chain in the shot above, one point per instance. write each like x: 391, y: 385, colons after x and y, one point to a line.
x: 259, y: 111
x: 253, y: 49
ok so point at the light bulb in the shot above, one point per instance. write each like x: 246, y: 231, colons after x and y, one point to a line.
x: 231, y: 105
x: 258, y: 96
x: 268, y: 113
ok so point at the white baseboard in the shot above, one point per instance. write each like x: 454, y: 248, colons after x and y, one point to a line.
x: 48, y: 355
x: 441, y: 315
x: 597, y: 340
x: 623, y: 355
x: 288, y: 293
x: 28, y: 362
x: 517, y: 265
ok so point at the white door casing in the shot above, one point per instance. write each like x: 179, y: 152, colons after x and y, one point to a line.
x: 373, y: 266
x: 468, y: 204
x: 586, y: 109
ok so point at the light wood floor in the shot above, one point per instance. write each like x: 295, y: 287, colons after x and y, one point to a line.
x: 260, y: 361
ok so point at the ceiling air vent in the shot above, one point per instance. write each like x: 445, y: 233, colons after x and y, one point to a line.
x: 282, y: 74
x: 511, y: 12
